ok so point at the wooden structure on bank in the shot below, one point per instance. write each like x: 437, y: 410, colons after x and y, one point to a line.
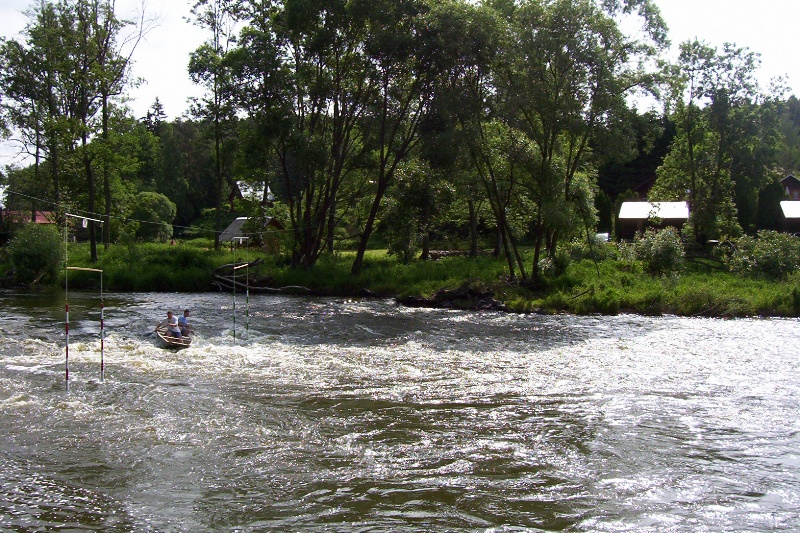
x: 635, y: 217
x: 268, y: 238
x: 241, y: 276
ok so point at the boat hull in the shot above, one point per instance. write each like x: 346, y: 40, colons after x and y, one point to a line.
x: 173, y: 342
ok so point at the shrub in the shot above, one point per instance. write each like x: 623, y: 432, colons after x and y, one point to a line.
x: 597, y: 299
x: 771, y: 254
x: 598, y: 250
x: 660, y: 251
x: 155, y: 213
x: 552, y: 267
x: 35, y: 252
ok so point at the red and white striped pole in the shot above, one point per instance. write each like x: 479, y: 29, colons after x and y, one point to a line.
x: 66, y: 358
x: 102, y: 338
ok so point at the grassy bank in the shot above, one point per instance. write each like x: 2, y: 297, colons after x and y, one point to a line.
x: 610, y: 287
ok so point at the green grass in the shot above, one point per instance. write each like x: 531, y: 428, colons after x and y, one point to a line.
x: 619, y: 286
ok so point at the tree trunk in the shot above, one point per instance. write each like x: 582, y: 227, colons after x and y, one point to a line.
x: 473, y: 229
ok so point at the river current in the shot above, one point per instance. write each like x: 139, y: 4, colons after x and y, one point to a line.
x: 332, y: 415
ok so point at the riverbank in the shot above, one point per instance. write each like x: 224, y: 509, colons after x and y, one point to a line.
x: 607, y: 287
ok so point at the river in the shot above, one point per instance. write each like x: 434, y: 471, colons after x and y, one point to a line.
x: 335, y: 415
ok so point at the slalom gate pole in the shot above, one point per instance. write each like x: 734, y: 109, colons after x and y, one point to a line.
x: 233, y: 246
x: 67, y: 268
x: 247, y: 312
x: 66, y: 349
x: 247, y: 286
x: 102, y: 332
x: 66, y: 308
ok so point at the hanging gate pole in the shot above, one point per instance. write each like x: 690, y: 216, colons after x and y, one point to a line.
x: 247, y: 285
x: 66, y: 308
x: 67, y: 268
x: 233, y: 246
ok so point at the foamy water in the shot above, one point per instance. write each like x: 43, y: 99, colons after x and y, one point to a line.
x: 340, y: 415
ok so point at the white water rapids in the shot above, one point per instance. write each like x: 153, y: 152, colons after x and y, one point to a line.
x: 357, y: 415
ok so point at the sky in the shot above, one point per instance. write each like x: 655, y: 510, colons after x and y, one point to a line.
x: 769, y: 27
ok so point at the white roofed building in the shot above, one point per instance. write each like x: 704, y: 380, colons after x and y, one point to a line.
x: 634, y: 217
x: 791, y: 215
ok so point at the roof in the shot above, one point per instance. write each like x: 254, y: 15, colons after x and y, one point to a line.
x: 42, y: 217
x: 790, y: 179
x: 645, y: 210
x: 791, y: 209
x: 235, y: 229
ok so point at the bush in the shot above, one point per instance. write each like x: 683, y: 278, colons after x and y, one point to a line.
x: 155, y: 213
x: 553, y: 267
x: 660, y: 251
x: 598, y: 250
x: 772, y: 255
x: 36, y: 253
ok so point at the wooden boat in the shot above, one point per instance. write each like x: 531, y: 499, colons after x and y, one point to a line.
x: 173, y: 342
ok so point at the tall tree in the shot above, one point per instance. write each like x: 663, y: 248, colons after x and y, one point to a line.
x: 100, y: 74
x: 36, y: 90
x: 563, y: 81
x: 303, y: 83
x: 726, y: 126
x: 407, y: 60
x: 207, y: 68
x: 55, y: 83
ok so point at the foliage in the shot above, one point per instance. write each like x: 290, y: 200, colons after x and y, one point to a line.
x: 726, y: 130
x: 410, y: 121
x: 36, y: 252
x: 771, y: 254
x: 596, y: 249
x: 154, y: 212
x: 661, y: 251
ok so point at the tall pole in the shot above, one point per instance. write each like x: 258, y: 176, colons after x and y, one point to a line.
x: 102, y: 333
x: 66, y: 308
x: 67, y: 268
x: 233, y: 246
x: 247, y: 284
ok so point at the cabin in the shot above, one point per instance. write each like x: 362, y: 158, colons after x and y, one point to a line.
x: 269, y: 240
x: 22, y: 217
x: 635, y: 217
x: 791, y: 187
x: 10, y: 218
x: 791, y: 216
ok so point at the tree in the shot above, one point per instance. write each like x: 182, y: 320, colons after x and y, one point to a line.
x: 55, y: 83
x: 409, y: 55
x: 154, y: 212
x: 726, y: 126
x: 562, y: 81
x: 35, y: 90
x: 302, y: 80
x: 788, y: 153
x: 207, y: 68
x: 36, y: 252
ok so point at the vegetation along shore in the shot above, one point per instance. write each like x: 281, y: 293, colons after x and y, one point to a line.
x: 643, y: 277
x: 488, y: 155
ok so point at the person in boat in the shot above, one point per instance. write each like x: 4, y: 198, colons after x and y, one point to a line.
x: 183, y: 322
x: 171, y: 323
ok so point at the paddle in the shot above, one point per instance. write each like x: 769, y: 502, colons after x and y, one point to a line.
x: 154, y: 331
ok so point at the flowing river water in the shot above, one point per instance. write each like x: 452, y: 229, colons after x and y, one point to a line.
x: 361, y: 416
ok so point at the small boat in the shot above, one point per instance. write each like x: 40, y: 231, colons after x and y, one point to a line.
x: 173, y: 342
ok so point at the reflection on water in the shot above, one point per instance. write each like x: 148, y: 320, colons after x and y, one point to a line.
x: 337, y: 415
